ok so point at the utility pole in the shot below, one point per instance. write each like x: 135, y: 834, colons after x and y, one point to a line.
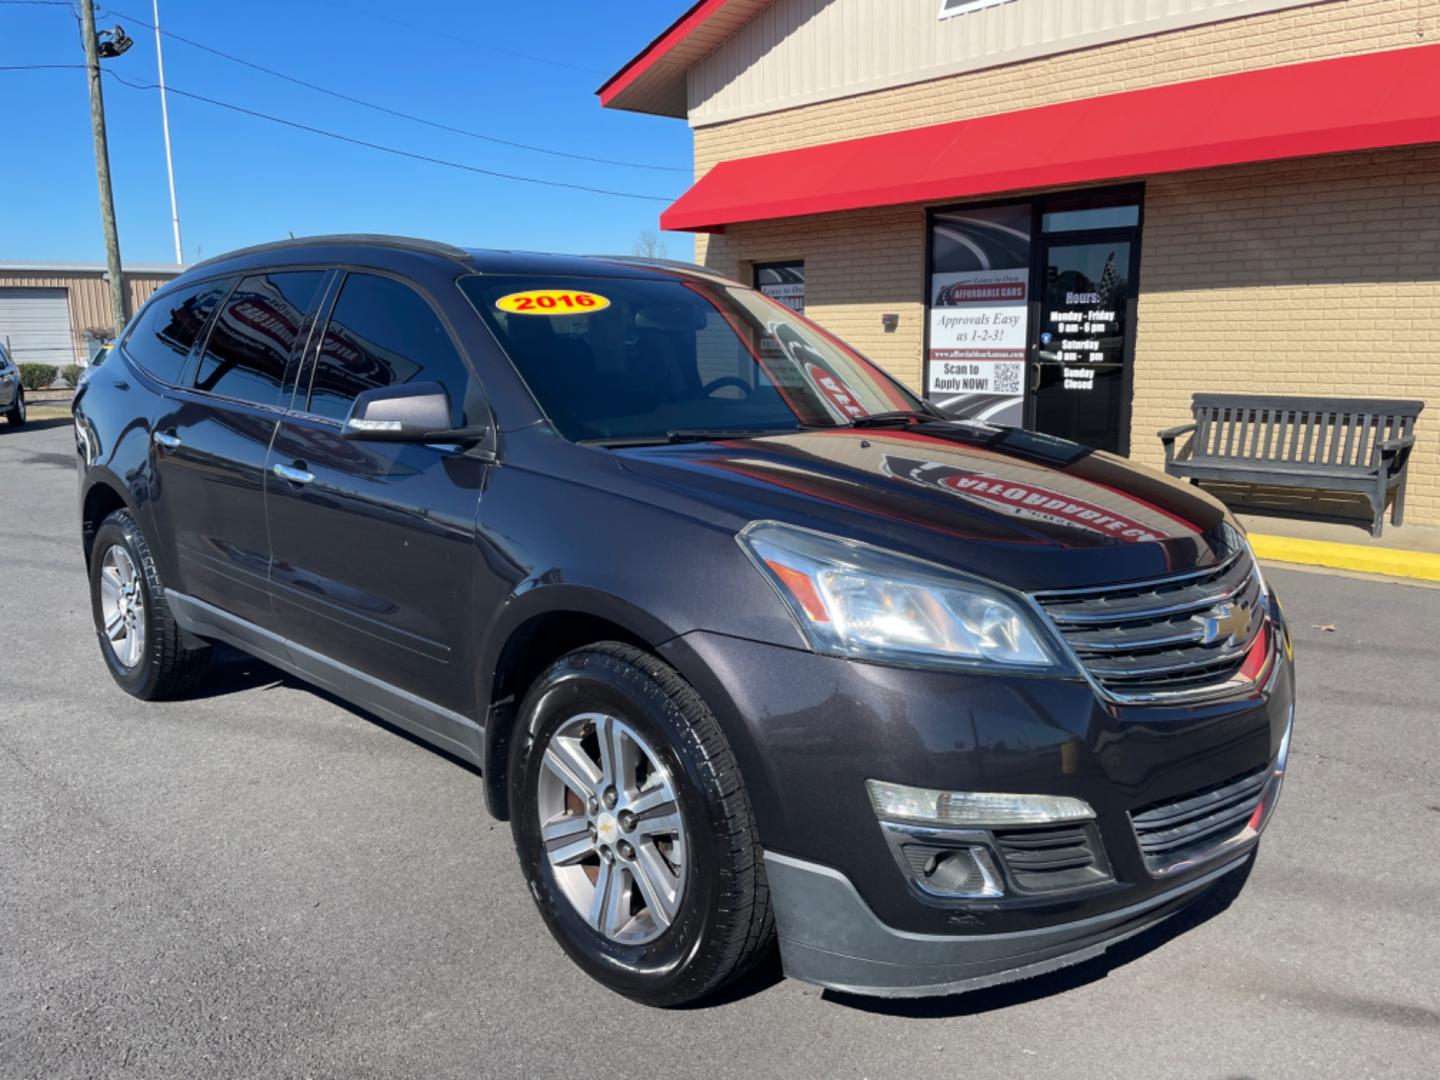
x: 165, y: 121
x: 119, y: 309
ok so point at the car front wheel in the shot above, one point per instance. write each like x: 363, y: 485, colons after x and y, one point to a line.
x: 16, y: 413
x: 145, y: 650
x: 635, y: 830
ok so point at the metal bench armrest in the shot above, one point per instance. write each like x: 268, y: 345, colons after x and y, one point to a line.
x: 1169, y: 435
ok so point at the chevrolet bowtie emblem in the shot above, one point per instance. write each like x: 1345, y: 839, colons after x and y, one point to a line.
x: 1226, y: 622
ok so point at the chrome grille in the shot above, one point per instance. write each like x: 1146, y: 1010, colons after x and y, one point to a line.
x: 1148, y: 640
x: 1169, y: 832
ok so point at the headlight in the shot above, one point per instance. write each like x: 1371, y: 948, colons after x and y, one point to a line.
x: 851, y: 599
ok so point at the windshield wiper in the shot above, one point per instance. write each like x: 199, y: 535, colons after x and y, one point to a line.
x: 683, y: 435
x: 687, y: 435
x: 895, y: 419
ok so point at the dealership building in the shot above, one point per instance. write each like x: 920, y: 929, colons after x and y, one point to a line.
x: 1075, y: 214
x: 53, y: 313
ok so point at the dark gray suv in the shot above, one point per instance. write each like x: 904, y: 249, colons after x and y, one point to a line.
x: 747, y: 642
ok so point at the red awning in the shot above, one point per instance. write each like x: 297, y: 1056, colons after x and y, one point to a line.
x: 1322, y: 107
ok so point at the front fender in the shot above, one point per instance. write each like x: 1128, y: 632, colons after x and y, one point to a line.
x: 528, y: 606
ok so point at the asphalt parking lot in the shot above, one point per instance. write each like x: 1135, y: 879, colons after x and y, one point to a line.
x: 265, y: 882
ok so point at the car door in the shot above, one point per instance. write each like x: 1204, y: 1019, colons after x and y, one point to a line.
x: 213, y: 433
x: 373, y: 542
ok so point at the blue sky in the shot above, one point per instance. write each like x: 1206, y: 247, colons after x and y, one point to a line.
x: 242, y: 180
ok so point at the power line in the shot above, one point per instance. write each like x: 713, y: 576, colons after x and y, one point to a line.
x: 474, y: 43
x: 383, y: 108
x: 297, y: 125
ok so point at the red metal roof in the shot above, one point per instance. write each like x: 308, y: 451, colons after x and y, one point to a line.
x: 1321, y: 107
x: 655, y: 80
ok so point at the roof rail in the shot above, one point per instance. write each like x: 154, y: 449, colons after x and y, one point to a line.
x: 404, y: 243
x: 646, y: 260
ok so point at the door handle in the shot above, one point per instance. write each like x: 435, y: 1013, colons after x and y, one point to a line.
x: 294, y: 475
x: 165, y: 439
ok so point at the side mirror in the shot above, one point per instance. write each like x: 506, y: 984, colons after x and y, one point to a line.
x: 412, y: 412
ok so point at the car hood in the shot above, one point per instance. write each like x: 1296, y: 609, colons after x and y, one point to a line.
x: 1017, y: 507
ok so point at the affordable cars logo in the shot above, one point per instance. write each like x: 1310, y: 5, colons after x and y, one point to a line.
x: 1020, y: 498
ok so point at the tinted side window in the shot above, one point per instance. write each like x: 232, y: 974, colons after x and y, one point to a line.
x: 383, y: 333
x: 164, y: 334
x: 254, y: 335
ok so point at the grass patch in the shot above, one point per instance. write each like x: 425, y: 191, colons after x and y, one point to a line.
x: 47, y: 410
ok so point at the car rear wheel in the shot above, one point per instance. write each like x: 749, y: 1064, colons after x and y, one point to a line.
x: 16, y: 413
x: 635, y: 830
x: 145, y: 650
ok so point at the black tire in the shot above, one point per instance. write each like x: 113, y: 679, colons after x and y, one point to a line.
x: 723, y: 924
x: 16, y: 413
x: 167, y: 667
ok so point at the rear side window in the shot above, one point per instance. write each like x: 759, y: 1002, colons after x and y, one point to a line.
x: 167, y: 330
x: 383, y: 333
x: 254, y: 335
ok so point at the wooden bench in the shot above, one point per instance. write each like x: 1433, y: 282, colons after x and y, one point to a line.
x: 1325, y: 444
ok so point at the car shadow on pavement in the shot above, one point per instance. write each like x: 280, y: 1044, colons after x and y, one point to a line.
x: 976, y: 1002
x: 233, y: 672
x: 34, y: 424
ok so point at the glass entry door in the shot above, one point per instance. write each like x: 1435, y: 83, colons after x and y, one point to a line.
x: 1083, y: 344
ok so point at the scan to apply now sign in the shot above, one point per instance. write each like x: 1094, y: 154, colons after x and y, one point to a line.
x: 977, y: 332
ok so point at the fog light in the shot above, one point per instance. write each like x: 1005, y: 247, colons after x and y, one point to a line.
x: 973, y: 808
x: 964, y: 871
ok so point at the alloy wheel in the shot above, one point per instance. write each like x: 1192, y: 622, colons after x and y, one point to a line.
x: 612, y: 828
x: 122, y: 605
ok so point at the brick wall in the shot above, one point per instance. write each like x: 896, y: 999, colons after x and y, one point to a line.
x: 858, y: 266
x: 1313, y: 276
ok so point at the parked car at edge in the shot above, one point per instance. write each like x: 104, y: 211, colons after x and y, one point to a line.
x: 747, y: 643
x: 12, y: 393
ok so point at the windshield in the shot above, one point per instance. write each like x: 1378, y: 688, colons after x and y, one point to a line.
x: 635, y: 359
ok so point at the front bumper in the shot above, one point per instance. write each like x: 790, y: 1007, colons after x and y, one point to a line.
x: 830, y: 937
x: 809, y: 730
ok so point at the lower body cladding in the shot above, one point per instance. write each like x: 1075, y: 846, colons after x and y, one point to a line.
x: 829, y: 936
x: 1148, y: 807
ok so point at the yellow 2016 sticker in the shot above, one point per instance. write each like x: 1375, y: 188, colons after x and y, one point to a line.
x: 552, y: 302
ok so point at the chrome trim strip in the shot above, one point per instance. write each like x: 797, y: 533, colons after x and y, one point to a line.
x: 1136, y: 586
x: 1138, y: 646
x: 1140, y: 614
x: 1218, y: 657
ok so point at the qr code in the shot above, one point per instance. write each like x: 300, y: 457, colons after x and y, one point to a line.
x: 1007, y: 378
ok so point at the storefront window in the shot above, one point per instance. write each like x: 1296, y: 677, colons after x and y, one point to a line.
x: 1094, y: 217
x: 979, y: 312
x: 783, y: 282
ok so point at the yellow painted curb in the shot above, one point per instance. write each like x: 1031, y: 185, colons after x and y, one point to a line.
x: 1393, y: 562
